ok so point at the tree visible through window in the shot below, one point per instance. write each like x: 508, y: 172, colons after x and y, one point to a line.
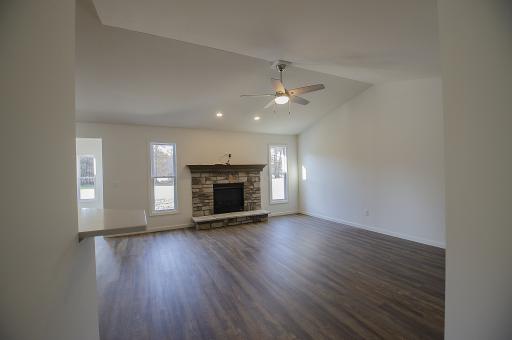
x: 278, y: 173
x: 87, y: 177
x: 163, y: 177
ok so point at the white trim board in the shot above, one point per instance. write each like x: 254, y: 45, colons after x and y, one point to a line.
x: 283, y: 213
x: 156, y: 230
x: 379, y: 230
x: 190, y: 225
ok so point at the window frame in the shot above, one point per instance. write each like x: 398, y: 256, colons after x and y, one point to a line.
x: 287, y: 179
x: 152, y: 211
x: 86, y: 200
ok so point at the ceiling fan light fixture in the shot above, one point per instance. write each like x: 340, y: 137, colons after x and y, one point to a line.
x: 282, y: 99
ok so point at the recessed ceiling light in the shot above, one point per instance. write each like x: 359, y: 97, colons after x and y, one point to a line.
x: 219, y: 114
x: 257, y: 117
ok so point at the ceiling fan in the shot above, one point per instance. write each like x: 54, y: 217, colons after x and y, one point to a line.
x: 283, y: 95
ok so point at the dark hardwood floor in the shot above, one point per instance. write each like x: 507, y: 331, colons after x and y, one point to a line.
x: 295, y: 277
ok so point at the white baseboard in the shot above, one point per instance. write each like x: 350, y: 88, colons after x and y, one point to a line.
x: 156, y: 229
x: 189, y: 225
x: 283, y: 213
x: 171, y: 227
x: 336, y: 220
x: 379, y: 230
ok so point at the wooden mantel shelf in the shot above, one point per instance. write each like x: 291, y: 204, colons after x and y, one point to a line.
x: 102, y: 222
x: 225, y: 168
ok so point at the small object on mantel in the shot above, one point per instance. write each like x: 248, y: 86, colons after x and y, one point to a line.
x: 103, y: 222
x: 225, y: 167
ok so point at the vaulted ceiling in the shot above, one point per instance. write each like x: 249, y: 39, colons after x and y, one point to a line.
x: 176, y: 63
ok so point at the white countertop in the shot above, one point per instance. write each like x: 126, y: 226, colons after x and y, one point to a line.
x: 101, y: 222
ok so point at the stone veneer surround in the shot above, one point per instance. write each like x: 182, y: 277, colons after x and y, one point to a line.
x: 204, y: 176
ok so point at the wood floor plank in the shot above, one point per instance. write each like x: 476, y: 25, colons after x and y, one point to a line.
x: 295, y: 277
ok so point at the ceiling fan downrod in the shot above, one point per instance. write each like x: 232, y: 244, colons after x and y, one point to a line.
x: 280, y: 68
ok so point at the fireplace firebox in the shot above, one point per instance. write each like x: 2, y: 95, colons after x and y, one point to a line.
x: 228, y: 197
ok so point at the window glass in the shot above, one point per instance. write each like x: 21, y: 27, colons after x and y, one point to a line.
x: 278, y: 173
x: 87, y: 177
x: 163, y: 177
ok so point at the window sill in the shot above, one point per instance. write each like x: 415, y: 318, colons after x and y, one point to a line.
x: 278, y: 202
x: 163, y: 213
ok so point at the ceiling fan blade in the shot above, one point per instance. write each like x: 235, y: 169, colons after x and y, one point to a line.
x: 306, y: 89
x: 257, y: 95
x: 270, y: 103
x: 299, y: 100
x: 277, y: 85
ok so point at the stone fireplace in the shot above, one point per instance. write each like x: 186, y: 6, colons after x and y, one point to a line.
x: 226, y: 194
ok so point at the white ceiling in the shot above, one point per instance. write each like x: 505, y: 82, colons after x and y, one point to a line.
x: 176, y: 63
x: 366, y: 40
x: 124, y: 76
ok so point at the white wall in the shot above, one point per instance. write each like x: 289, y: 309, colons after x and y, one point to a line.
x: 47, y: 279
x: 126, y: 163
x: 381, y: 152
x: 476, y: 55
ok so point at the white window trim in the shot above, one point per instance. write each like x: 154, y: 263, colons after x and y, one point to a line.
x: 87, y: 200
x: 151, y: 190
x: 286, y: 183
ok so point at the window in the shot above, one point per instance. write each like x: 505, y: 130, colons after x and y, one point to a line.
x: 87, y: 177
x: 89, y: 173
x: 278, y: 174
x: 163, y: 177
